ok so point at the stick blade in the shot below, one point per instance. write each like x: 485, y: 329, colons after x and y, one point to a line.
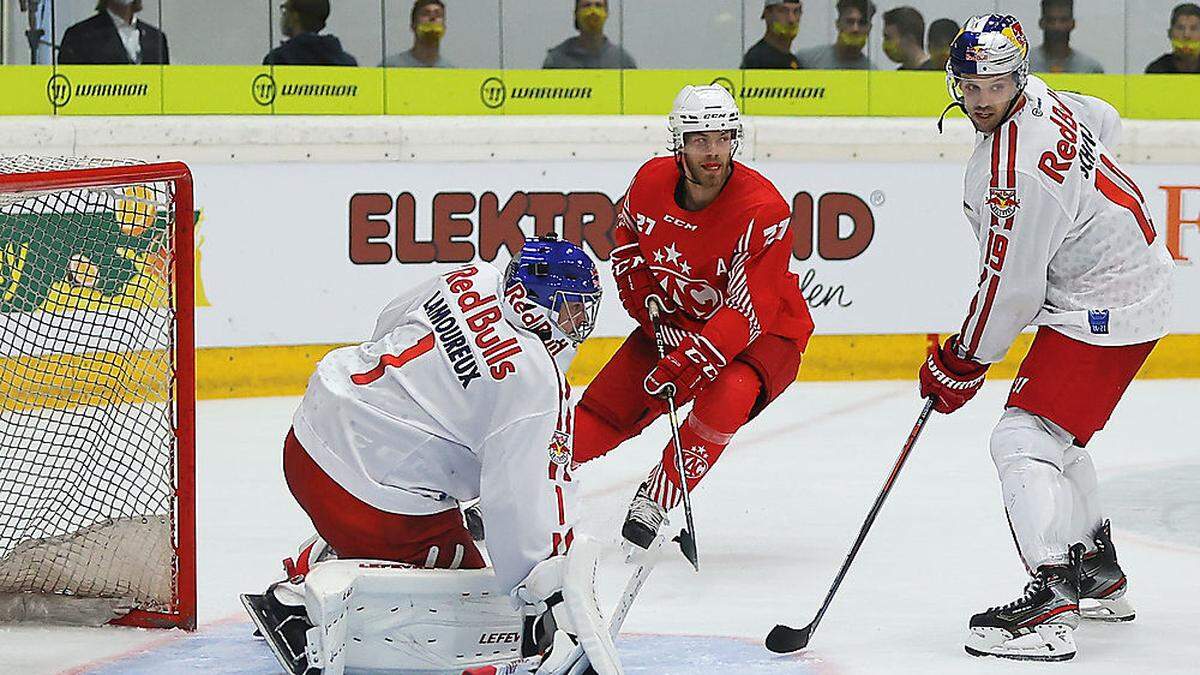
x: 687, y: 544
x: 784, y: 639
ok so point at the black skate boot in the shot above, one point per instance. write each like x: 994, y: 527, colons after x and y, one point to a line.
x: 284, y: 625
x: 1037, y: 626
x: 644, y: 519
x: 1102, y: 583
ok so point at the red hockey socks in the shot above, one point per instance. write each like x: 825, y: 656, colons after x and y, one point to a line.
x: 719, y: 411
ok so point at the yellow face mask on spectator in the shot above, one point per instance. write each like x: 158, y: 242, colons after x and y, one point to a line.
x: 892, y: 49
x: 592, y: 18
x: 852, y: 40
x: 431, y: 30
x: 787, y: 30
x: 1189, y: 48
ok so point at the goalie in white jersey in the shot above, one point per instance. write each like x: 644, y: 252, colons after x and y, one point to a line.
x: 1067, y: 244
x: 459, y: 394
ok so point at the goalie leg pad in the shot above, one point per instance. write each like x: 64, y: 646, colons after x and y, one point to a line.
x: 374, y: 615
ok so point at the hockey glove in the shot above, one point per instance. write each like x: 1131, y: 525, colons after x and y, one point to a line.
x: 682, y: 372
x: 950, y: 379
x: 636, y: 285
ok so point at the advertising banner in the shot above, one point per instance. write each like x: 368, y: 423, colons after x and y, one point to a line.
x: 296, y: 254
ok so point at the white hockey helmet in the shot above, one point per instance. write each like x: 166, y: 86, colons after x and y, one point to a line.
x: 704, y: 108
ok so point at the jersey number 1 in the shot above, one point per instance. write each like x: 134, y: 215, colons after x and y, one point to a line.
x: 423, y: 345
x: 1122, y: 191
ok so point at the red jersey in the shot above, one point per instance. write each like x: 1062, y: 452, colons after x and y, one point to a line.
x: 724, y: 267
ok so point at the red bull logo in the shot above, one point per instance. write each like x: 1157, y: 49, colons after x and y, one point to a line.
x: 1003, y: 203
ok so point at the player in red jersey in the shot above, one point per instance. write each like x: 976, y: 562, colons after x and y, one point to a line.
x: 708, y: 238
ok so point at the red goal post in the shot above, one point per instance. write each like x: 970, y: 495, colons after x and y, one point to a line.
x: 97, y: 385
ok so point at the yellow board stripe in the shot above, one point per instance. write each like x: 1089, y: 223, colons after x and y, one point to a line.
x: 284, y: 371
x: 63, y: 381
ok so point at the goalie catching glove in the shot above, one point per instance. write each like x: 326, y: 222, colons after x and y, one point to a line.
x: 951, y: 379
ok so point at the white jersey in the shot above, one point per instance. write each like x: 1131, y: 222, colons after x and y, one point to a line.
x: 449, y: 401
x: 1065, y: 236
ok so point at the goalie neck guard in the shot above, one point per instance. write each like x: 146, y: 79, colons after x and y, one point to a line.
x: 561, y: 282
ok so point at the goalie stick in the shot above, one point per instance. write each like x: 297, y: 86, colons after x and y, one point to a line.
x: 784, y: 639
x: 578, y: 660
x: 687, y: 536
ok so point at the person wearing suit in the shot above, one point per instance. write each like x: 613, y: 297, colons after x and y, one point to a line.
x: 114, y: 36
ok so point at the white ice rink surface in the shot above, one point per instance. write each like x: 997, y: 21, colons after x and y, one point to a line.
x: 773, y: 520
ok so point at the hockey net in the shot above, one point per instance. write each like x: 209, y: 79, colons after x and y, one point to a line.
x: 97, y: 388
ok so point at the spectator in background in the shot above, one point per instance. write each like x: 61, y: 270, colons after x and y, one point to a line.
x: 941, y: 33
x: 591, y: 48
x: 428, y: 23
x: 774, y: 50
x: 115, y: 36
x: 1055, y: 54
x: 1185, y: 42
x: 853, y: 26
x: 904, y: 38
x: 301, y: 21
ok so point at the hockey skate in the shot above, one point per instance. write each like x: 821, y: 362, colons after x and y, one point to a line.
x: 1102, y: 583
x: 644, y: 519
x: 1038, y: 626
x: 280, y: 617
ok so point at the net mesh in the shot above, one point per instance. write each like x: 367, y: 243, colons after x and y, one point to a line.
x: 87, y: 386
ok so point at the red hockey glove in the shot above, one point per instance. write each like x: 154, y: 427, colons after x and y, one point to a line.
x: 635, y: 285
x: 694, y: 364
x: 950, y: 379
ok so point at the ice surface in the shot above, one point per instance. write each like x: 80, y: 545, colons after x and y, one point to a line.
x: 773, y: 520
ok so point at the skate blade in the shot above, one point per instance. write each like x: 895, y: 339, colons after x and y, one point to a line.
x: 1113, y: 610
x: 1047, y: 642
x: 254, y: 607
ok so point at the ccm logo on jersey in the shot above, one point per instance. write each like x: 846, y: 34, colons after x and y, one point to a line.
x: 681, y: 223
x: 1003, y: 202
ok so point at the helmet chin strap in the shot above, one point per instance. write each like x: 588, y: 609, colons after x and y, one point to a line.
x: 952, y: 106
x: 683, y: 169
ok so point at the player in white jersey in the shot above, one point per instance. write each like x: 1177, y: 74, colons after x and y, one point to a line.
x: 458, y: 395
x: 1067, y: 245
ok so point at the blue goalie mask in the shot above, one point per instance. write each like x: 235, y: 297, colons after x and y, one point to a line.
x: 560, y: 281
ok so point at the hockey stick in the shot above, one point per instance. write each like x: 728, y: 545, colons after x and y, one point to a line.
x: 529, y: 664
x: 783, y: 639
x: 687, y: 536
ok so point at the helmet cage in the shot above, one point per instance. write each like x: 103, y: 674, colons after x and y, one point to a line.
x: 574, y: 313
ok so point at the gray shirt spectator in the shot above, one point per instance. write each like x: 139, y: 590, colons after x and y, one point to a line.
x: 828, y: 57
x: 406, y: 59
x: 572, y: 53
x: 853, y: 26
x: 428, y: 24
x: 1055, y: 54
x: 591, y: 48
x: 1073, y: 62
